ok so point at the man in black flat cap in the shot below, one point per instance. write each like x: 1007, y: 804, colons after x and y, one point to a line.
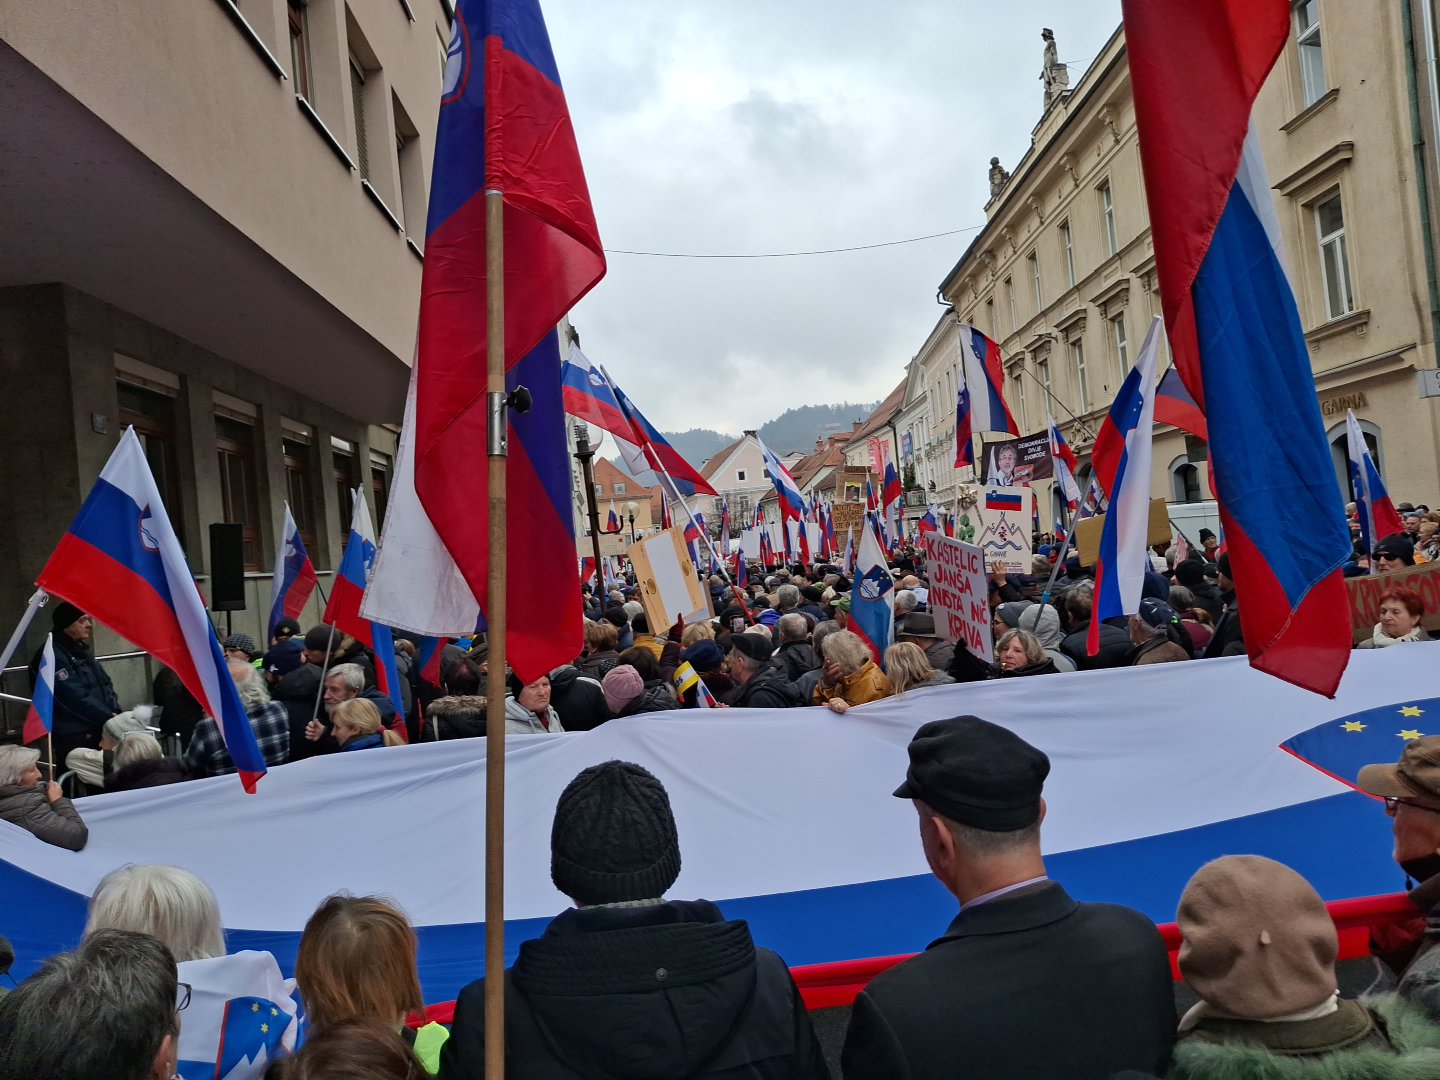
x: 762, y: 685
x: 1026, y: 982
x: 84, y: 695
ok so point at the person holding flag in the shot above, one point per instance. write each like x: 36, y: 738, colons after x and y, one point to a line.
x: 40, y: 808
x: 1377, y: 514
x: 83, y: 697
x: 346, y: 597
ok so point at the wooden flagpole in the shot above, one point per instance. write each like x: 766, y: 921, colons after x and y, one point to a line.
x: 495, y: 639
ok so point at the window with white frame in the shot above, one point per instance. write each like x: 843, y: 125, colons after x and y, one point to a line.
x: 1122, y: 345
x: 619, y: 489
x: 1042, y: 368
x: 1067, y: 242
x: 1107, y: 212
x: 990, y: 318
x: 1010, y: 299
x: 1020, y: 400
x: 1034, y: 260
x: 1312, y: 59
x: 1334, y: 257
x: 740, y: 476
x: 1082, y: 383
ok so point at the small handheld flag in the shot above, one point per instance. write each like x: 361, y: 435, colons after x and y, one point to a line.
x: 1378, y: 516
x: 294, y: 579
x: 40, y: 717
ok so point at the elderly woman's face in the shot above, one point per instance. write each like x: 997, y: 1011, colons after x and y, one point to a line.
x: 1396, y: 620
x: 535, y: 696
x: 1013, y: 655
x: 30, y: 777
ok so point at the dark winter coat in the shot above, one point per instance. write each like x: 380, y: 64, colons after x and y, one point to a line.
x: 299, y: 691
x: 795, y: 658
x: 56, y: 823
x: 1116, y: 647
x: 84, y: 696
x: 1045, y: 667
x: 180, y: 712
x: 148, y: 774
x: 657, y: 697
x: 813, y: 611
x: 578, y: 699
x: 457, y: 716
x: 1208, y: 598
x: 767, y: 689
x: 1097, y: 974
x: 1228, y: 639
x: 597, y: 665
x: 642, y: 993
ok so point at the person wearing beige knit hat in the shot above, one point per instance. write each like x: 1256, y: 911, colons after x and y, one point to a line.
x: 1259, y: 949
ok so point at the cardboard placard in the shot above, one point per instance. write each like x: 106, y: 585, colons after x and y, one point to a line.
x: 1004, y: 535
x: 667, y: 580
x: 1365, y: 596
x: 959, y: 594
x: 1087, y: 532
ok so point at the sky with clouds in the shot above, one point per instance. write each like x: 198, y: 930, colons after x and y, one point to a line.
x: 764, y: 126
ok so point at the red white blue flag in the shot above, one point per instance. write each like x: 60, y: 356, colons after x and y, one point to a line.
x: 1004, y: 500
x: 612, y: 520
x: 347, y: 594
x: 1378, y: 516
x: 1175, y: 406
x: 294, y: 578
x: 787, y: 492
x: 40, y: 717
x: 1066, y: 465
x: 121, y: 562
x: 1234, y: 327
x: 980, y: 401
x: 872, y: 597
x: 663, y: 457
x: 587, y: 393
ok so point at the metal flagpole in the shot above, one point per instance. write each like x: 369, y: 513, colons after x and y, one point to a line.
x: 495, y: 640
x: 33, y: 605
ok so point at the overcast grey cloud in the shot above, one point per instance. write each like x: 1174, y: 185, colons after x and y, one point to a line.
x: 761, y: 126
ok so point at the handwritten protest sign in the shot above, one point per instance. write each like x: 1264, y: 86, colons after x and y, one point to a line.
x: 959, y: 594
x: 1004, y: 514
x: 1365, y: 596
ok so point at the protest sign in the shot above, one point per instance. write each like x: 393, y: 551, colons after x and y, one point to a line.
x: 667, y: 581
x: 1087, y: 532
x: 1004, y: 536
x: 1018, y: 461
x: 959, y: 594
x: 750, y: 544
x: 1365, y: 596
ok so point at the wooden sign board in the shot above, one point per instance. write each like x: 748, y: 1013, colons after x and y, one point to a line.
x: 1365, y: 597
x: 1087, y: 532
x: 667, y: 581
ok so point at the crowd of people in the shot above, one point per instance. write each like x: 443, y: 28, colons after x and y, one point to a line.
x: 1026, y: 981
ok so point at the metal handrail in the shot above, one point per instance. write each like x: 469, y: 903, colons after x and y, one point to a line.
x: 15, y: 669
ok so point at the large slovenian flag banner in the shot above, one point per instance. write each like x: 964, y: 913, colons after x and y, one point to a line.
x: 980, y: 401
x: 121, y: 561
x: 1122, y: 562
x: 344, y: 609
x: 872, y: 597
x: 40, y: 716
x: 587, y: 394
x: 503, y: 127
x: 1234, y: 327
x: 294, y: 579
x: 1378, y: 516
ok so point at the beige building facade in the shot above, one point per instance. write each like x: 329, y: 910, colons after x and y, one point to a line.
x: 214, y: 222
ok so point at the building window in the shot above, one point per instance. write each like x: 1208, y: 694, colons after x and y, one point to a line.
x: 1067, y: 242
x: 1334, y: 257
x: 152, y: 415
x: 357, y: 95
x: 599, y: 491
x: 239, y: 497
x: 740, y: 475
x: 1185, y: 482
x: 1107, y: 211
x: 1010, y: 299
x: 295, y: 458
x: 990, y: 318
x: 343, y: 465
x: 1077, y: 355
x: 1122, y: 346
x: 1312, y: 60
x: 1034, y: 260
x: 412, y: 172
x: 619, y: 489
x: 1042, y: 367
x: 380, y: 485
x: 1020, y: 400
x: 300, y: 48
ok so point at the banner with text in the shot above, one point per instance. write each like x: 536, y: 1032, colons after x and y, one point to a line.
x: 1018, y: 461
x: 959, y: 594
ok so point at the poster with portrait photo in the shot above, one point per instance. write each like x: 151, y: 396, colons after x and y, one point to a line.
x: 1017, y: 461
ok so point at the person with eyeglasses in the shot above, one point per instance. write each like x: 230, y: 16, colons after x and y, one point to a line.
x: 110, y: 1008
x: 1411, y: 790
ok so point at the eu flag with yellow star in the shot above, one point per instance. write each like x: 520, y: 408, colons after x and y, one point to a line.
x: 1341, y: 747
x: 251, y: 1033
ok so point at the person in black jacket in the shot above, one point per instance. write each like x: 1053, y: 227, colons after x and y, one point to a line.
x: 1115, y: 644
x: 795, y: 656
x: 578, y: 699
x: 1191, y: 574
x: 1228, y: 639
x: 628, y: 984
x: 1026, y: 982
x: 296, y: 685
x: 84, y: 695
x: 762, y: 686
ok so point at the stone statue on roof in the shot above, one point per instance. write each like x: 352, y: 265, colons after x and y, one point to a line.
x: 998, y: 177
x: 1054, y: 76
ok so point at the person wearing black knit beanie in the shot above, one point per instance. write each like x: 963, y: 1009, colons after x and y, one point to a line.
x: 627, y: 983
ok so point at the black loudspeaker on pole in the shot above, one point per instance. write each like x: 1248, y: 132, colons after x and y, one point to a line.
x: 227, y: 567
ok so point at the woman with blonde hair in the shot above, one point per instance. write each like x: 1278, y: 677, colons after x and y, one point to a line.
x: 700, y: 631
x: 1019, y: 652
x: 908, y: 668
x: 356, y: 726
x: 849, y: 675
x: 356, y: 962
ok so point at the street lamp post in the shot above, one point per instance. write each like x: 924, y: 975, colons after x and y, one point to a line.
x: 585, y: 453
x: 630, y: 509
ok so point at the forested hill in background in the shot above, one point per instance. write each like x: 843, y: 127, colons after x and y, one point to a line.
x: 794, y: 429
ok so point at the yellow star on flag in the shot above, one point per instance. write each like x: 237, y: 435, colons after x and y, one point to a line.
x: 255, y: 1006
x: 264, y: 1029
x: 1353, y: 725
x: 1411, y: 710
x: 274, y: 1012
x: 1408, y: 734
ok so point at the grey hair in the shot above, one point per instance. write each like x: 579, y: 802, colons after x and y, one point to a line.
x: 761, y: 631
x: 792, y: 627
x: 905, y: 602
x: 351, y: 675
x: 253, y: 690
x: 1034, y: 651
x: 136, y: 746
x: 821, y: 632
x: 14, y: 760
x: 787, y: 596
x: 845, y: 648
x: 165, y: 902
x: 983, y: 843
x: 102, y: 1010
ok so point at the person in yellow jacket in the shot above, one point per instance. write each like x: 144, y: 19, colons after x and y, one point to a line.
x: 850, y: 676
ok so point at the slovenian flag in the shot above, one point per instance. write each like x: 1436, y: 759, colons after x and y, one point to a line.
x: 587, y: 393
x: 294, y: 579
x: 980, y: 400
x: 346, y: 595
x: 1066, y: 465
x: 612, y: 520
x: 1003, y: 500
x: 121, y: 561
x: 40, y: 717
x: 872, y: 597
x: 1378, y: 516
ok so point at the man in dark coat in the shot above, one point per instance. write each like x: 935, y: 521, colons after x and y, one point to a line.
x: 1026, y: 981
x: 84, y: 696
x: 762, y: 686
x: 578, y: 699
x: 628, y: 984
x: 296, y: 685
x: 920, y: 630
x: 1191, y: 574
x: 1116, y: 647
x: 795, y: 656
x: 1228, y: 639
